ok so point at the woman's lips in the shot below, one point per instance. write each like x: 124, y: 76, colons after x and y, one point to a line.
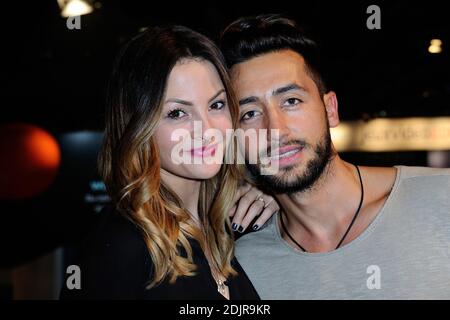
x: 205, y: 151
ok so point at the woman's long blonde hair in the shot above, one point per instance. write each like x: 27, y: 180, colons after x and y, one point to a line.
x: 129, y: 161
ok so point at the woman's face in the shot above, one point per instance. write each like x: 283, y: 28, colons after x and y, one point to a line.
x: 194, y: 93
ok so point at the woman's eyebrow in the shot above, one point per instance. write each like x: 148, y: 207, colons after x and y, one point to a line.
x: 217, y: 94
x: 188, y: 103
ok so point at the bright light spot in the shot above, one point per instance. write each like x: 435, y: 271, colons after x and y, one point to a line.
x: 73, y: 8
x: 435, y: 46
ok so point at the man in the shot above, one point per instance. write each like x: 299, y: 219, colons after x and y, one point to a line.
x: 344, y: 231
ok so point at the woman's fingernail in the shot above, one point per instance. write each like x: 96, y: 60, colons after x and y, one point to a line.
x: 240, y: 229
x: 234, y: 226
x: 255, y: 227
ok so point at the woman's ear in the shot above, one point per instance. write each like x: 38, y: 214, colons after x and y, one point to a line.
x: 331, y: 107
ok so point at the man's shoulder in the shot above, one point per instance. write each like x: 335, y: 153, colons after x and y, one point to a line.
x: 431, y: 180
x: 408, y: 172
x: 427, y: 186
x: 262, y: 238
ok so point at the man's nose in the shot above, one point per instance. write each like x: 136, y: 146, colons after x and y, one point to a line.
x: 277, y: 124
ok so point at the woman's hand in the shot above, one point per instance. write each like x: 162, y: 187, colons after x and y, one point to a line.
x: 250, y: 203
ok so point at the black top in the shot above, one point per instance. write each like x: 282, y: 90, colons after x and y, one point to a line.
x: 116, y: 264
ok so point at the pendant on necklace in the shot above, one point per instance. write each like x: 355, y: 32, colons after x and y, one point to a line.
x: 221, y: 286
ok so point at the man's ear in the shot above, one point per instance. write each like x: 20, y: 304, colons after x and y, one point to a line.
x: 331, y: 107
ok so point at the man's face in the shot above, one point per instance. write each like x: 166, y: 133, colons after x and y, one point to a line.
x: 275, y: 91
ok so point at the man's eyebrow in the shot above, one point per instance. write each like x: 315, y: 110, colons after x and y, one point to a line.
x: 248, y: 100
x: 286, y: 88
x: 278, y: 91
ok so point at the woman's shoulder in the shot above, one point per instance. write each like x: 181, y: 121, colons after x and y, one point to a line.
x: 115, y: 236
x: 114, y: 229
x: 114, y: 260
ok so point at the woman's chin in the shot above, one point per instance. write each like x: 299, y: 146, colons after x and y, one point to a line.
x: 204, y: 171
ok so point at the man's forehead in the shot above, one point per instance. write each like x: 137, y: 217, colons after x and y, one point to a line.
x: 268, y: 71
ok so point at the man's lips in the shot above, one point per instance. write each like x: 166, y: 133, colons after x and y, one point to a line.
x: 204, y: 151
x: 285, y: 152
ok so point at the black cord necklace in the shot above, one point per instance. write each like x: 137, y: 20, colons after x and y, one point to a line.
x: 349, y: 227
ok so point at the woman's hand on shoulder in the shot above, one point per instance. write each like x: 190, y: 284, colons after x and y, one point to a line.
x: 250, y: 203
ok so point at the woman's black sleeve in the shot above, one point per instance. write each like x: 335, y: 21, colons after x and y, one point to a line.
x: 115, y: 263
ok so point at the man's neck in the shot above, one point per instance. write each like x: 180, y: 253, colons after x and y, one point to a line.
x: 320, y: 216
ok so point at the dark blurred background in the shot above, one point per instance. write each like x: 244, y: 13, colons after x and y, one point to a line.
x: 53, y: 83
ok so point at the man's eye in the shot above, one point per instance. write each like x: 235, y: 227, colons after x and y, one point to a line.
x: 176, y: 114
x: 291, y: 102
x: 218, y: 105
x: 249, y: 115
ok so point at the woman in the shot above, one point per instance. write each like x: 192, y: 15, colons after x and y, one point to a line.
x: 168, y: 234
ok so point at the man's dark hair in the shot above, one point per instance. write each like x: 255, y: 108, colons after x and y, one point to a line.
x: 250, y: 37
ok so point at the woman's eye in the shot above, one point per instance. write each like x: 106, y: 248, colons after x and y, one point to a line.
x: 291, y: 102
x: 218, y: 105
x: 249, y: 115
x: 176, y: 114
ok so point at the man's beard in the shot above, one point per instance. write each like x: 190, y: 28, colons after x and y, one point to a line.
x: 279, y: 184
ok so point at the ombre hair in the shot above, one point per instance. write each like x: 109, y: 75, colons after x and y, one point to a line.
x: 130, y: 165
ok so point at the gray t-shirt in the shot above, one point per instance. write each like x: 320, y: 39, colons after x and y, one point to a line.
x: 403, y: 254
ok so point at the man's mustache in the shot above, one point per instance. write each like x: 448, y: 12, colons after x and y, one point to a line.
x: 297, y: 142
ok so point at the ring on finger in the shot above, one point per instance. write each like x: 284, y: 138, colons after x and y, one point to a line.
x: 260, y: 198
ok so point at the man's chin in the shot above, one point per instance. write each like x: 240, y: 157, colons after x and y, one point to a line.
x: 299, y: 177
x: 278, y: 182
